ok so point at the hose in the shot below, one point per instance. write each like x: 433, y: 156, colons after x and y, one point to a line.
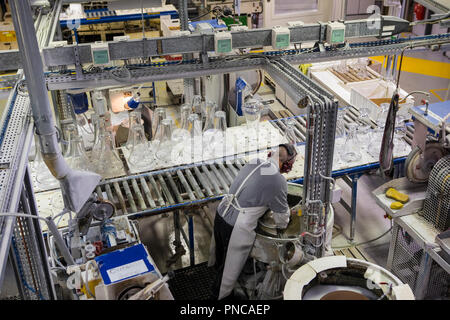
x: 86, y: 279
x: 365, y: 242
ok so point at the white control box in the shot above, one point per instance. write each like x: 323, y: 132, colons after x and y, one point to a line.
x: 281, y: 37
x: 100, y: 53
x: 239, y: 28
x: 335, y: 33
x: 121, y: 38
x: 56, y: 44
x: 223, y: 42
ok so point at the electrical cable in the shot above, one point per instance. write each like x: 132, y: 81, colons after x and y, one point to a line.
x: 201, y: 16
x: 365, y: 242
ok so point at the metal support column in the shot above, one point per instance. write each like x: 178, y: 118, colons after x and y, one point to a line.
x: 354, y: 203
x: 191, y: 239
x: 352, y: 182
x: 188, y: 83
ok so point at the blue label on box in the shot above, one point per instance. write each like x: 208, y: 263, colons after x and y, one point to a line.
x: 123, y: 264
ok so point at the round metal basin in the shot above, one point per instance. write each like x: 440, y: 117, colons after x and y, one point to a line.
x: 270, y: 246
x: 342, y: 278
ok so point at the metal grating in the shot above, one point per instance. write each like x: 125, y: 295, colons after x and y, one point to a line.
x: 4, y: 183
x: 436, y: 208
x: 14, y: 129
x: 439, y: 283
x: 414, y: 266
x: 193, y: 283
x: 27, y: 257
x: 407, y: 257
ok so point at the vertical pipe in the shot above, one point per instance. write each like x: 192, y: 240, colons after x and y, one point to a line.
x: 33, y: 68
x: 60, y: 242
x: 353, y: 217
x: 191, y: 240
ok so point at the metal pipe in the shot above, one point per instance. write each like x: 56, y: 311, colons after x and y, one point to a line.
x: 129, y: 196
x: 109, y: 193
x: 120, y: 197
x: 220, y: 179
x: 194, y: 183
x: 138, y: 194
x: 174, y: 188
x: 55, y: 22
x: 191, y: 240
x: 60, y: 242
x: 232, y: 169
x: 155, y: 188
x: 165, y: 189
x: 147, y: 193
x: 203, y: 181
x: 211, y: 179
x: 186, y: 185
x: 33, y: 68
x: 226, y: 173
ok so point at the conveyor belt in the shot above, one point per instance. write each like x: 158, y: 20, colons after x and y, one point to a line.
x: 163, y: 190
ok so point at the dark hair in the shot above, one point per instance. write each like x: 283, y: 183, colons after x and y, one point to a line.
x: 289, y: 148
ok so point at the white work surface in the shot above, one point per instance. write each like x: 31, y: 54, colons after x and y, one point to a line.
x: 238, y: 141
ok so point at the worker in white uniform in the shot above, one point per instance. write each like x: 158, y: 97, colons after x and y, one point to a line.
x: 259, y: 186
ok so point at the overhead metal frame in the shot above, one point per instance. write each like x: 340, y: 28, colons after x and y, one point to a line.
x: 435, y: 6
x: 196, y: 68
x: 195, y: 43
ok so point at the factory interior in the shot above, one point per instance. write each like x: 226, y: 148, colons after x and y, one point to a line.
x: 131, y: 131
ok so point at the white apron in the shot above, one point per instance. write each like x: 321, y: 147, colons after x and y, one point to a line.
x: 241, y: 240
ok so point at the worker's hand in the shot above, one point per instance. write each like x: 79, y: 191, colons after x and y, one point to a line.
x: 294, y: 212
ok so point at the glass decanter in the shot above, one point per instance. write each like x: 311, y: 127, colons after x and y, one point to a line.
x: 351, y: 150
x: 134, y: 117
x: 361, y: 66
x: 141, y: 155
x: 158, y: 117
x: 75, y: 154
x: 108, y: 163
x: 209, y: 109
x: 182, y: 134
x: 217, y: 142
x: 252, y: 113
x: 364, y: 127
x: 197, y: 104
x: 195, y: 134
x: 165, y: 144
